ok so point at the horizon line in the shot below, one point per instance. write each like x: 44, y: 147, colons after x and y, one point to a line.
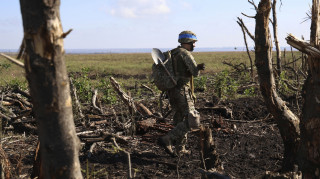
x: 146, y: 50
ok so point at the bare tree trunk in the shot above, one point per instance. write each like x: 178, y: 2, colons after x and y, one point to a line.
x: 275, y: 35
x: 49, y: 88
x: 310, y: 122
x: 209, y: 156
x: 288, y: 123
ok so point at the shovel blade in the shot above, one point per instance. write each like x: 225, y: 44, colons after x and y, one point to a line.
x: 157, y: 55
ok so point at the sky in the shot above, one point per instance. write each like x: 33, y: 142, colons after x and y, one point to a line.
x: 105, y: 24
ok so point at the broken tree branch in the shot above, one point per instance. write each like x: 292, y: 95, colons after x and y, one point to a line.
x: 148, y: 88
x: 134, y: 107
x: 248, y: 15
x: 126, y: 98
x: 241, y: 23
x: 74, y: 92
x: 64, y: 35
x: 128, y: 155
x: 303, y: 46
x: 253, y: 4
x: 15, y: 61
x: 275, y: 35
x: 94, y: 99
x: 104, y: 136
x: 243, y: 28
x: 21, y: 49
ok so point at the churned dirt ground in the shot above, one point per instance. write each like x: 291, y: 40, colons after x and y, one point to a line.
x: 248, y: 143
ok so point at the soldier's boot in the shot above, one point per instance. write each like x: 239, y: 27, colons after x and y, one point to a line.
x: 166, y: 143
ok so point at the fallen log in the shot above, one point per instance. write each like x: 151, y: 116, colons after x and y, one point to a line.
x: 143, y: 109
x: 104, y: 136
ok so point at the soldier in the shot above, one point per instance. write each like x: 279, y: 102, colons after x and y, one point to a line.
x: 182, y: 96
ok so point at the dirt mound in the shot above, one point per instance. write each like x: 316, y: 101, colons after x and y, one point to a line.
x: 247, y: 108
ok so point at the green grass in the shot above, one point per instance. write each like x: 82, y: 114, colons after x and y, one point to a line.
x: 125, y: 67
x: 125, y: 64
x: 140, y: 63
x: 11, y: 74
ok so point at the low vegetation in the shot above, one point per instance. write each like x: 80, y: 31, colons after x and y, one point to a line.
x: 92, y: 71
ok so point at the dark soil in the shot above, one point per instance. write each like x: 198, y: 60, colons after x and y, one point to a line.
x: 249, y: 144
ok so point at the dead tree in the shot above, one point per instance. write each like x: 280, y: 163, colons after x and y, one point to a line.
x: 275, y: 35
x: 287, y: 121
x: 304, y: 145
x: 310, y: 121
x: 49, y: 88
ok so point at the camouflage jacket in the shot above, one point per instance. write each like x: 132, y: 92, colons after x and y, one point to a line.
x: 184, y: 66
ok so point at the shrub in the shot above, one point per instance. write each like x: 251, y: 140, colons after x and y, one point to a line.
x: 225, y: 85
x: 200, y: 83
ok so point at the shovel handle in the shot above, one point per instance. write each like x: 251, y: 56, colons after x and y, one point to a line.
x: 174, y: 81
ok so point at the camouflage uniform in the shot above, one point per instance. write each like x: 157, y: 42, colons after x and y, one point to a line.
x: 181, y: 97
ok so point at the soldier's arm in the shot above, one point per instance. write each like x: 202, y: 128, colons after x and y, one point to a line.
x: 191, y: 64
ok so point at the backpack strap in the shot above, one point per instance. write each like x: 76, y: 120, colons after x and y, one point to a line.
x: 174, y: 65
x: 172, y: 54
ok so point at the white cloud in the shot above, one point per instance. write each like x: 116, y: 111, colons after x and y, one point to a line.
x: 139, y: 8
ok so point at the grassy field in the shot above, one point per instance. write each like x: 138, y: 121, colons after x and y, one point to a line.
x: 135, y: 64
x: 140, y: 63
x: 93, y: 70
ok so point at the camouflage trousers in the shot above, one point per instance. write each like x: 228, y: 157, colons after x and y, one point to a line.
x: 182, y: 103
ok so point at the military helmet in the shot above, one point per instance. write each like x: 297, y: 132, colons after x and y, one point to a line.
x: 187, y: 37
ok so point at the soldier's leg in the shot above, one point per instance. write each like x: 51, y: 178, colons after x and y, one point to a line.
x: 181, y: 101
x: 178, y: 103
x: 176, y: 137
x: 192, y: 120
x: 178, y: 117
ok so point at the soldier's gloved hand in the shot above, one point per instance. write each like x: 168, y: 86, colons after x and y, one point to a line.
x: 201, y: 66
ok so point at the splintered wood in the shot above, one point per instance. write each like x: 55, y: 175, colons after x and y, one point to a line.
x: 5, y: 166
x: 303, y: 46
